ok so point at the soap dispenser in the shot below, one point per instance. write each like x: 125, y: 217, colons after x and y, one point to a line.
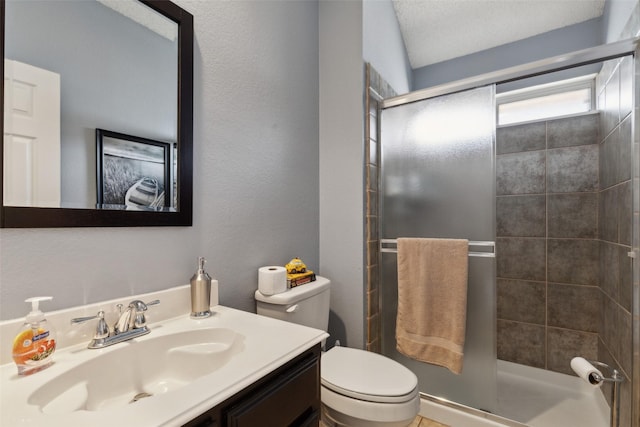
x: 34, y: 345
x: 200, y: 292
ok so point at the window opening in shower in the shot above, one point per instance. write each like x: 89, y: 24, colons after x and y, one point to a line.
x: 562, y: 98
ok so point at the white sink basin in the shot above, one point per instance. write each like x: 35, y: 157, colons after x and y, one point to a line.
x: 188, y: 366
x: 138, y: 369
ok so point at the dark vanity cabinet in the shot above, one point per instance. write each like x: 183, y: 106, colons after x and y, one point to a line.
x: 289, y: 396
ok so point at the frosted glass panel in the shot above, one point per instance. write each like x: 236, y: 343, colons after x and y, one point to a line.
x: 438, y: 181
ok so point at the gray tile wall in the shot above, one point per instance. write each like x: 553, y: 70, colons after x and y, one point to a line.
x: 547, y: 176
x: 376, y: 88
x: 615, y: 100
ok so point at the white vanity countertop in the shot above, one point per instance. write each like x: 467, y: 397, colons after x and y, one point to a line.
x: 267, y: 344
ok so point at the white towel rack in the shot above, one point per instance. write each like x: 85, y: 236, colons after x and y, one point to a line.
x: 386, y: 245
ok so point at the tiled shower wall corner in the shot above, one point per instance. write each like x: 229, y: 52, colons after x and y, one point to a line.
x: 564, y: 215
x: 376, y: 89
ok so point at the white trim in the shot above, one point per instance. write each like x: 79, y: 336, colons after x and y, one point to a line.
x: 531, y: 69
x: 547, y: 89
x: 566, y: 116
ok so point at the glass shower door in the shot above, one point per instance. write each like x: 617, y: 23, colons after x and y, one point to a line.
x: 437, y: 180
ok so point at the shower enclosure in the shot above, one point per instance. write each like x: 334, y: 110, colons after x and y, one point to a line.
x: 438, y: 181
x: 569, y: 243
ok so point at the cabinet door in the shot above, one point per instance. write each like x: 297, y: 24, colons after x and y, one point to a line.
x: 291, y: 399
x: 208, y: 419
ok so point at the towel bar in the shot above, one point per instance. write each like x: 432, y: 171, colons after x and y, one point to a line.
x: 488, y: 244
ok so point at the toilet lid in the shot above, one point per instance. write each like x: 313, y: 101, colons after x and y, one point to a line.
x: 367, y: 376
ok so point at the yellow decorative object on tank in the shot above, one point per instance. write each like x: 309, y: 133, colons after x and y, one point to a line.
x: 295, y: 266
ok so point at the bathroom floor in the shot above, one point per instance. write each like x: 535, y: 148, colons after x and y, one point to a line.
x: 418, y: 422
x: 426, y: 422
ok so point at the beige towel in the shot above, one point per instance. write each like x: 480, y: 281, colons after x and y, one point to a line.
x: 432, y: 300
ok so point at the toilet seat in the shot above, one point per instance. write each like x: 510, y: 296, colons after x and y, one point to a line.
x: 367, y: 376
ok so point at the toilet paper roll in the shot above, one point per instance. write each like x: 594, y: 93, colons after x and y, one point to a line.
x: 586, y: 371
x: 272, y: 279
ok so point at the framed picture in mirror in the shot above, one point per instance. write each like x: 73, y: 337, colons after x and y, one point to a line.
x: 134, y: 173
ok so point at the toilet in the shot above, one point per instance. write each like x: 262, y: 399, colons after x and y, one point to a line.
x: 358, y: 388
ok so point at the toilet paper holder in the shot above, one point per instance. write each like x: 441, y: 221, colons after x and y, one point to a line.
x: 616, y: 378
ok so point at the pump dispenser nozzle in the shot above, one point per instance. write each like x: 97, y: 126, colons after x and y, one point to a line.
x: 36, y: 315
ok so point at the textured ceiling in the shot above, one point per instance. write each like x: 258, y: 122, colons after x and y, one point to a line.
x: 438, y: 30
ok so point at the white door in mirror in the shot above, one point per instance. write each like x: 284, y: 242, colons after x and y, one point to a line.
x: 31, y: 136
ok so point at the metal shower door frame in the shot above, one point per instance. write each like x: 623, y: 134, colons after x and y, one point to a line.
x: 530, y: 69
x: 557, y: 63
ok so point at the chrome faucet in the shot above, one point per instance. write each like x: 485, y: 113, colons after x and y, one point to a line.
x: 133, y: 317
x: 131, y: 324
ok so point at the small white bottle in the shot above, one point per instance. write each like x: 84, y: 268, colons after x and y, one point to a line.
x: 34, y: 345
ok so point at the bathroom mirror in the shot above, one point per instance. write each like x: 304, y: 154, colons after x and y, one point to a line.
x: 75, y: 72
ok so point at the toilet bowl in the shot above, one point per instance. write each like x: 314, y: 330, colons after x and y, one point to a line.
x: 364, y: 389
x: 358, y: 388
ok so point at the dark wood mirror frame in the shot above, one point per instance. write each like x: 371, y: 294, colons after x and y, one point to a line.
x: 32, y: 217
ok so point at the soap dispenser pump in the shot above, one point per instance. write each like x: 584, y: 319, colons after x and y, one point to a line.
x: 200, y: 292
x: 34, y: 345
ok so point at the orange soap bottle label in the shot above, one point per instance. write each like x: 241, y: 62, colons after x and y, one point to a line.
x: 30, y: 348
x: 34, y: 345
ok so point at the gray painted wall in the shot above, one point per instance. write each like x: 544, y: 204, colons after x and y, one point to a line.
x: 341, y: 166
x: 383, y: 45
x: 564, y: 40
x: 98, y: 54
x: 350, y: 32
x: 255, y: 169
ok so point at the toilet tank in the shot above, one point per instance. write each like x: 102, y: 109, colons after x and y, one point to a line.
x: 306, y: 304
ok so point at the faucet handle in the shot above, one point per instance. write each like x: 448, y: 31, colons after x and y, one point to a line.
x: 139, y: 321
x: 102, y: 330
x: 138, y: 305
